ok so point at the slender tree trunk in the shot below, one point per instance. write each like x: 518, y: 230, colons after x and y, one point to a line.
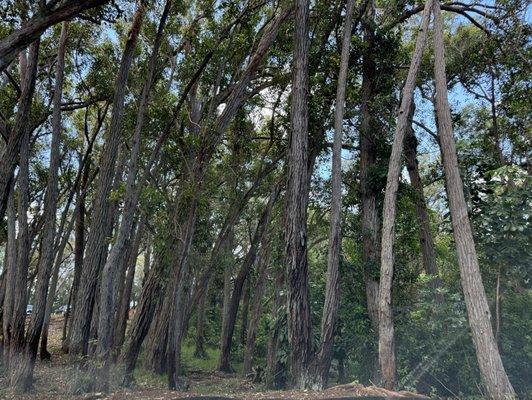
x: 247, y: 264
x: 330, y: 308
x: 425, y: 234
x: 28, y: 69
x: 256, y: 307
x: 152, y: 289
x: 299, y: 335
x: 109, y: 273
x: 10, y: 152
x: 368, y: 152
x: 386, y: 328
x: 79, y: 336
x: 489, y: 359
x: 79, y: 248
x: 22, y: 376
x: 123, y: 309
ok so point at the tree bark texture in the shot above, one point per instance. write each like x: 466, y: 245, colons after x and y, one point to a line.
x: 299, y: 335
x: 330, y: 308
x: 79, y: 335
x: 489, y: 360
x: 386, y: 327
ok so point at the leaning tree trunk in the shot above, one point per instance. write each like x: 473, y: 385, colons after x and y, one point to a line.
x: 386, y: 328
x: 426, y: 240
x: 110, y: 269
x: 79, y: 335
x: 299, y: 335
x: 10, y: 152
x: 22, y: 377
x: 488, y: 356
x: 330, y: 308
x: 152, y: 289
x: 28, y: 69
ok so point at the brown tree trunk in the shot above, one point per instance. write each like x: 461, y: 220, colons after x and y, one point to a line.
x: 79, y: 335
x: 256, y: 307
x: 369, y: 191
x: 299, y: 335
x: 330, y: 308
x: 489, y: 359
x: 386, y: 328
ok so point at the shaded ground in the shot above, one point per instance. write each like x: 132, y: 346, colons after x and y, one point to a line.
x: 55, y: 379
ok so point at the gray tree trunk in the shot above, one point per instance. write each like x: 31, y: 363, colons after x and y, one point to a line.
x: 489, y: 359
x: 79, y: 335
x: 28, y: 71
x: 386, y: 328
x: 115, y: 259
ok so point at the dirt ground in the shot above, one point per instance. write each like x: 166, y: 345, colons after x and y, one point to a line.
x: 55, y: 380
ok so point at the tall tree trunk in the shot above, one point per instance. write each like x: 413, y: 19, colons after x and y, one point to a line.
x: 79, y: 335
x: 22, y: 376
x: 299, y: 335
x: 247, y: 264
x: 110, y: 269
x: 425, y: 234
x: 369, y: 191
x: 330, y: 308
x: 386, y: 328
x: 28, y: 69
x: 256, y: 307
x: 489, y: 359
x: 79, y: 249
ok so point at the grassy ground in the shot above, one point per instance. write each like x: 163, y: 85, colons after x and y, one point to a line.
x: 59, y: 379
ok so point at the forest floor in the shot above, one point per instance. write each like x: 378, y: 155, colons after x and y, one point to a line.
x: 57, y: 379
